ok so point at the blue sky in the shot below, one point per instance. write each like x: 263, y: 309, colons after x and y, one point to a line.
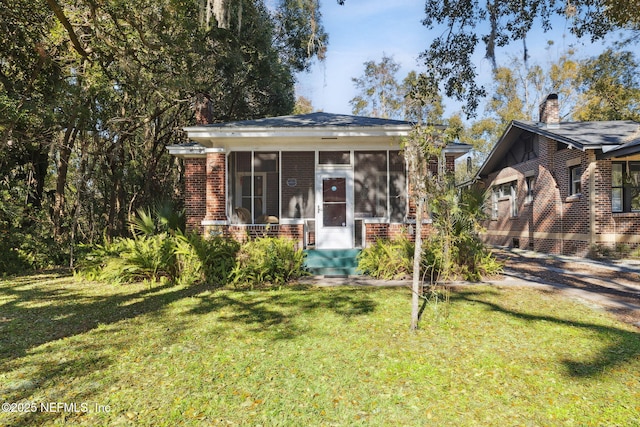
x: 364, y: 30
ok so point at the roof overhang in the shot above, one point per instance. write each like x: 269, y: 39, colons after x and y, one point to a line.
x: 456, y: 149
x: 304, y: 132
x: 243, y: 137
x: 512, y: 133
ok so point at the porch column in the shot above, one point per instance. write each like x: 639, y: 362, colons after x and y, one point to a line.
x: 216, y: 188
x: 195, y: 192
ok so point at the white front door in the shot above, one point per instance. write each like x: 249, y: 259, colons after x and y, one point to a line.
x: 334, y: 211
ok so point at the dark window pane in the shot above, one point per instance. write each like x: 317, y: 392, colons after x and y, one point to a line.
x: 334, y: 158
x: 334, y: 215
x: 334, y: 190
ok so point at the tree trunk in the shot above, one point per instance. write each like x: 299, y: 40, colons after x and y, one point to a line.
x: 416, y: 286
x: 61, y: 180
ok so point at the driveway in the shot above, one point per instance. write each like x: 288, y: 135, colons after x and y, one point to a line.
x: 610, y: 285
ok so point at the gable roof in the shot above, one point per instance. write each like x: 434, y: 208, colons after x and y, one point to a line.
x: 608, y: 138
x: 596, y: 135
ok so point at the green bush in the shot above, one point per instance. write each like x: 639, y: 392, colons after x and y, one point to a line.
x: 267, y: 260
x: 25, y: 243
x: 387, y: 259
x: 177, y: 258
x: 209, y: 260
x: 127, y: 260
x: 468, y: 259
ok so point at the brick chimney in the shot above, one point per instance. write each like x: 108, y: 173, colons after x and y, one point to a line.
x: 202, y: 106
x: 550, y: 111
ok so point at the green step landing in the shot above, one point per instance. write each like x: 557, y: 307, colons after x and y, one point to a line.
x: 332, y: 262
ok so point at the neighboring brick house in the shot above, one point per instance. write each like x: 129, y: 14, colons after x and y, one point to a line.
x: 564, y: 187
x: 326, y: 180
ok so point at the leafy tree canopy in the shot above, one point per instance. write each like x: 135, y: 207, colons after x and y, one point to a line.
x: 92, y: 92
x: 380, y: 94
x: 468, y: 24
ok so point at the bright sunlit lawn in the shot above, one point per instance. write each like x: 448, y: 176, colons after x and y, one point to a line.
x: 94, y: 354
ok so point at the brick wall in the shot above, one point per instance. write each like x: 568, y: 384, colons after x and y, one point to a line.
x: 216, y: 209
x: 554, y: 222
x: 243, y: 233
x: 195, y: 192
x: 375, y: 231
x: 612, y: 228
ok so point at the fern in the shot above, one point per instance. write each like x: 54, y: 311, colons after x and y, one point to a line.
x: 387, y: 259
x: 267, y: 260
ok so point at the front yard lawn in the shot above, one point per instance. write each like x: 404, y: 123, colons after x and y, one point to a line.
x: 93, y: 354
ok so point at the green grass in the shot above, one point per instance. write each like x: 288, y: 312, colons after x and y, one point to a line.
x: 168, y: 356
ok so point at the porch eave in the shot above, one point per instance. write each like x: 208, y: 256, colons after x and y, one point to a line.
x: 204, y: 133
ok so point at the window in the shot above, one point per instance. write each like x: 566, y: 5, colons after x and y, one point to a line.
x: 530, y: 183
x: 507, y: 191
x: 625, y: 187
x: 617, y: 187
x: 251, y: 197
x: 504, y: 191
x: 495, y: 196
x: 334, y: 157
x: 575, y: 176
x: 513, y: 195
x: 379, y: 185
x: 397, y: 187
x: 370, y: 184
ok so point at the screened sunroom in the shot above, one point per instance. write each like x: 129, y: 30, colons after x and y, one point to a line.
x: 331, y: 181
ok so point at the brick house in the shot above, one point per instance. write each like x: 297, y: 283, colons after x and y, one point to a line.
x: 564, y: 187
x: 328, y: 181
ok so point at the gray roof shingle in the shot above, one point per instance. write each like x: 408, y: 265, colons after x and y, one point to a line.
x: 605, y: 135
x: 608, y: 138
x: 313, y: 120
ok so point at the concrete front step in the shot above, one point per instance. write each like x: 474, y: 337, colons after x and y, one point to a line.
x: 332, y: 262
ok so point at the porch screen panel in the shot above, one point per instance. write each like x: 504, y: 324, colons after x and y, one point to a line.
x: 234, y: 197
x: 397, y: 187
x: 370, y: 181
x: 265, y: 166
x: 254, y: 180
x: 298, y: 184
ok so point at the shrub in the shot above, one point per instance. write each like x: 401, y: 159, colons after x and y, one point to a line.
x: 468, y: 259
x: 177, y: 258
x: 387, y: 259
x: 127, y: 260
x: 267, y: 260
x: 209, y: 260
x: 25, y: 244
